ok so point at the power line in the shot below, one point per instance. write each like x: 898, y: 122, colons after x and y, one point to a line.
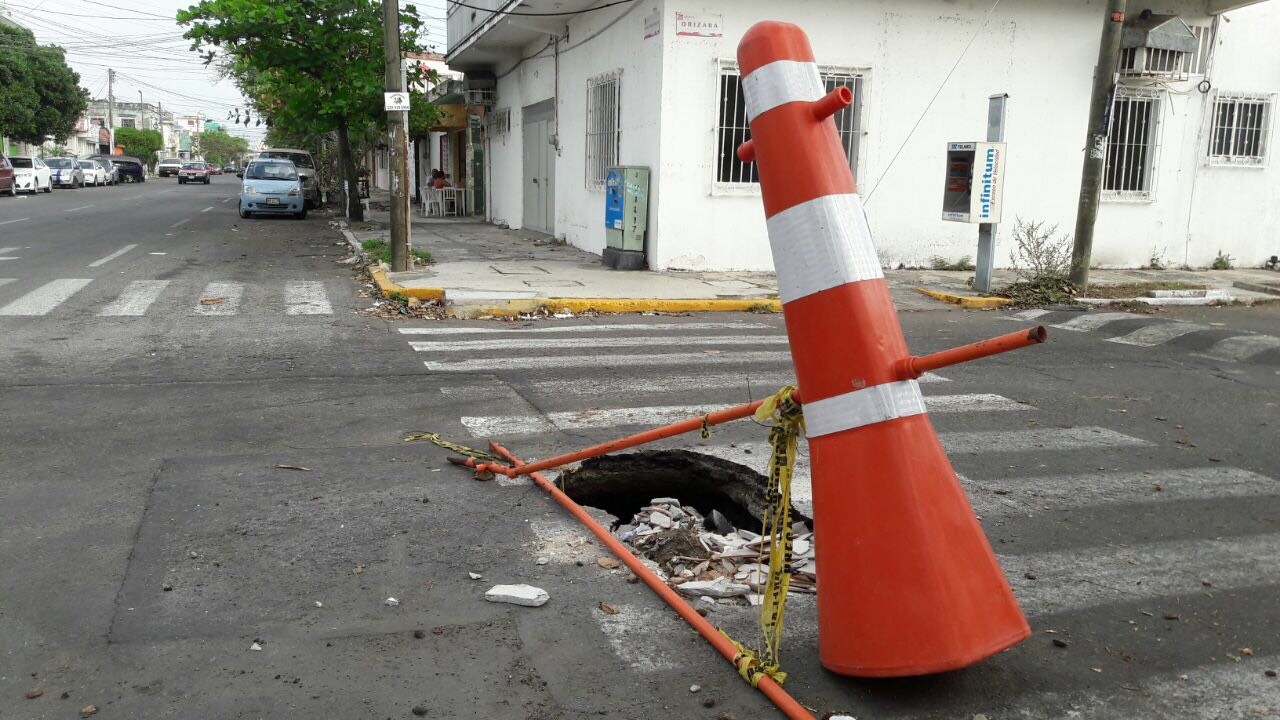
x: 538, y: 14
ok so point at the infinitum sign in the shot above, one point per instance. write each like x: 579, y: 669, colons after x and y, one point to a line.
x: 975, y: 182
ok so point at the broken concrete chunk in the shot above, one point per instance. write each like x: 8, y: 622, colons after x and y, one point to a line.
x: 255, y: 646
x: 718, y: 588
x: 665, y: 501
x: 718, y: 522
x: 659, y: 519
x: 800, y: 547
x: 526, y: 595
x: 475, y: 576
x: 391, y: 602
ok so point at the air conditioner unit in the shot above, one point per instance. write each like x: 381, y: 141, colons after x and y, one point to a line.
x: 1156, y: 46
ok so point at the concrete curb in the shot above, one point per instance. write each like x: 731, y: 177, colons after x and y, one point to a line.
x: 615, y: 305
x: 1256, y: 287
x: 967, y: 301
x: 384, y: 283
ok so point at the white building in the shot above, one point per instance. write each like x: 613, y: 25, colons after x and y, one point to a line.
x: 654, y: 83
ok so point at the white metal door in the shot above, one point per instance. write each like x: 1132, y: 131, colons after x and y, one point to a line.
x: 539, y: 168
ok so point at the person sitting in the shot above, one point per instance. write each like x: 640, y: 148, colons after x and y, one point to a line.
x: 439, y: 179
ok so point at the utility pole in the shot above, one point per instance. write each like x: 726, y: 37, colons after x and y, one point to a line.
x: 1104, y: 81
x: 396, y: 132
x: 111, y: 111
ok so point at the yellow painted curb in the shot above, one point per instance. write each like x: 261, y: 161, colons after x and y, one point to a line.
x: 623, y: 305
x: 387, y: 287
x: 967, y: 301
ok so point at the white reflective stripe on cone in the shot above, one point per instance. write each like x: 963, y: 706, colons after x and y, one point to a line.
x: 862, y: 407
x: 821, y: 244
x: 778, y: 83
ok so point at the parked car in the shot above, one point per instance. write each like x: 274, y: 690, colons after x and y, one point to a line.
x: 93, y: 172
x: 30, y: 174
x: 65, y: 172
x: 193, y: 171
x: 169, y: 166
x: 107, y: 163
x: 130, y: 168
x: 215, y: 169
x: 8, y: 183
x: 272, y: 187
x: 306, y: 170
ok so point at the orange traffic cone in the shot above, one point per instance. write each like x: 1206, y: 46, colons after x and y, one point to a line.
x: 908, y: 583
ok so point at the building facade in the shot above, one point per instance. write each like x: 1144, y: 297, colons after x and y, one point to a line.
x: 654, y: 83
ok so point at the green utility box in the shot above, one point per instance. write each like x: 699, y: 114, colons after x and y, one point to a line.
x: 626, y: 214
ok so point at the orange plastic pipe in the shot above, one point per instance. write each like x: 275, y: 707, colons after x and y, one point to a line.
x: 660, y: 433
x: 832, y: 103
x: 913, y: 367
x: 766, y: 685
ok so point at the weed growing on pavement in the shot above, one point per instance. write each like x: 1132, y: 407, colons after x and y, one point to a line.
x: 1041, y: 258
x: 1156, y: 262
x: 1222, y: 262
x: 937, y: 262
x: 380, y: 251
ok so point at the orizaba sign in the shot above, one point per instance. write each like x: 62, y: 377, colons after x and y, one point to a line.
x: 974, y: 182
x: 699, y: 25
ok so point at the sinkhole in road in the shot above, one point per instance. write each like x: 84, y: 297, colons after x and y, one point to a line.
x: 622, y: 485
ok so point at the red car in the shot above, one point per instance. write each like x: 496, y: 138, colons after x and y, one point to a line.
x: 8, y: 183
x: 193, y: 171
x: 215, y: 169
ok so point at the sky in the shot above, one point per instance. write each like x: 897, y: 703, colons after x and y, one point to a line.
x: 144, y: 45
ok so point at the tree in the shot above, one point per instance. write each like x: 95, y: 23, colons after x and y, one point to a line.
x: 143, y: 144
x: 219, y: 147
x: 40, y: 95
x: 308, y: 65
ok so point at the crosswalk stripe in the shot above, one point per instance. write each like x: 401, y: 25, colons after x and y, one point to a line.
x: 632, y: 327
x: 519, y: 344
x: 1242, y: 347
x: 6, y: 281
x: 1070, y: 580
x: 306, y: 297
x: 6, y: 251
x: 1028, y: 314
x: 581, y: 362
x: 653, y: 415
x: 136, y: 298
x: 45, y: 298
x: 1092, y: 321
x: 228, y: 292
x: 1037, y: 440
x: 1151, y: 335
x: 103, y: 261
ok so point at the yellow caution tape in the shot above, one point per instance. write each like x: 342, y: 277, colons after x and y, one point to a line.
x: 463, y: 449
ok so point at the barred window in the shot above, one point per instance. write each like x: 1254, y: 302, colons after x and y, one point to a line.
x: 732, y: 127
x: 1241, y: 128
x: 1128, y: 172
x: 604, y: 126
x: 128, y: 123
x: 500, y: 122
x: 1198, y: 61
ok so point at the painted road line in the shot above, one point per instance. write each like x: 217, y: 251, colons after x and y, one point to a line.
x: 1030, y: 495
x: 640, y: 636
x: 10, y: 222
x: 207, y: 209
x: 6, y: 251
x: 10, y: 257
x: 227, y: 296
x: 1038, y: 440
x: 306, y: 297
x: 225, y: 200
x: 103, y: 261
x: 6, y: 281
x: 180, y: 223
x: 136, y: 298
x: 581, y: 362
x: 78, y: 209
x: 1242, y: 347
x: 522, y: 344
x: 634, y: 327
x: 1092, y: 321
x: 1027, y: 314
x: 1151, y: 335
x: 654, y: 415
x: 1071, y: 580
x: 45, y: 298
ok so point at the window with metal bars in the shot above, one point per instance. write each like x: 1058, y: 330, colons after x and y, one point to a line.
x: 1128, y: 171
x: 604, y: 126
x: 128, y: 123
x: 732, y: 128
x: 1241, y: 128
x: 500, y: 122
x: 1198, y: 61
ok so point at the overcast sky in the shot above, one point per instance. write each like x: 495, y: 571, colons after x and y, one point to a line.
x: 141, y: 41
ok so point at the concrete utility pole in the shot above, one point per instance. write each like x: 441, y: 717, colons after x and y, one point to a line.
x: 396, y: 132
x: 1104, y: 82
x: 111, y: 111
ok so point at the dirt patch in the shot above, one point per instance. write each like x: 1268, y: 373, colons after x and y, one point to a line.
x: 1135, y: 290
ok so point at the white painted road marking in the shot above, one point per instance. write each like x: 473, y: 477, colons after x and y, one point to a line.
x: 1095, y: 320
x: 6, y: 281
x: 579, y: 362
x: 485, y: 426
x: 207, y: 209
x: 637, y: 327
x: 45, y: 298
x: 520, y: 344
x: 1152, y: 335
x: 1242, y: 347
x: 228, y: 293
x: 306, y: 298
x: 10, y: 222
x: 136, y: 298
x: 1038, y: 440
x: 227, y: 199
x: 4, y: 251
x: 11, y: 257
x: 1028, y: 314
x: 112, y: 256
x: 78, y: 209
x: 180, y: 223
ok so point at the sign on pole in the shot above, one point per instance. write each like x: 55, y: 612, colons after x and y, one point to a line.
x: 395, y: 101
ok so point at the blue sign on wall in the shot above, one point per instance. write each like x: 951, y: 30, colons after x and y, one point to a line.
x: 613, y: 199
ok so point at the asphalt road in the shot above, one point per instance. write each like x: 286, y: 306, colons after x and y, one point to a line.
x: 159, y: 361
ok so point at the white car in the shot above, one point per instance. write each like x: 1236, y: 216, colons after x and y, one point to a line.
x: 30, y: 174
x: 94, y: 173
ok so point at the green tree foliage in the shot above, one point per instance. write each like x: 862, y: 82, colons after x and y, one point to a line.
x: 308, y: 65
x: 219, y: 147
x: 40, y: 95
x: 142, y: 144
x: 422, y: 114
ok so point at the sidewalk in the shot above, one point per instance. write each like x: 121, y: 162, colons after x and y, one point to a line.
x: 486, y: 270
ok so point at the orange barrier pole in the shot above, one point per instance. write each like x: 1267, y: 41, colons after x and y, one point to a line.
x: 736, y: 412
x: 910, y: 368
x: 718, y: 640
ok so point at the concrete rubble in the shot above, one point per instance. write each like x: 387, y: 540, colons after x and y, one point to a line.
x: 526, y: 595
